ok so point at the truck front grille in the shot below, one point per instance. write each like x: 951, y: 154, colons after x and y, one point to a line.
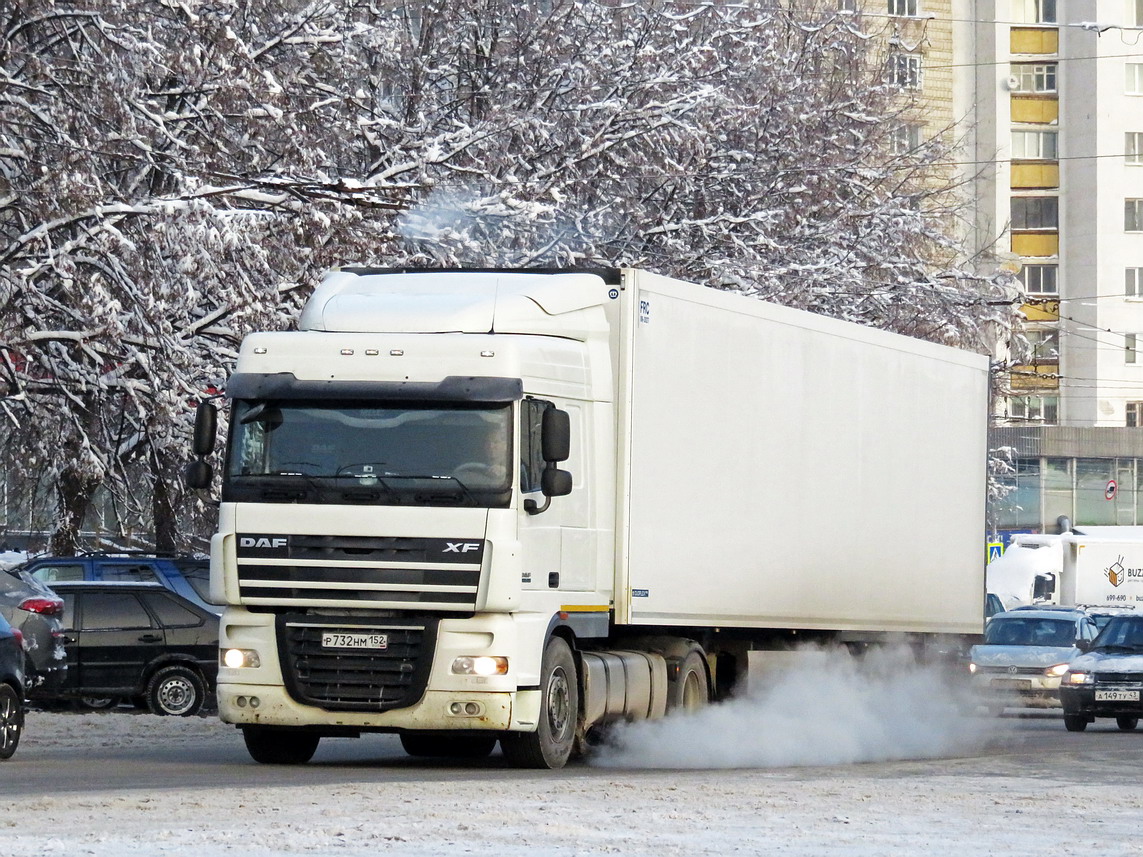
x: 363, y: 572
x: 356, y: 679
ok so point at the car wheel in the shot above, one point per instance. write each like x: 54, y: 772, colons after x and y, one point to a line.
x: 282, y: 746
x: 97, y: 703
x: 176, y: 691
x: 1075, y: 722
x: 1126, y: 724
x: 11, y: 721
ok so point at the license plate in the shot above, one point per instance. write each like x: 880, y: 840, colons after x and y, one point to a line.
x: 1012, y: 683
x: 1117, y: 696
x: 354, y: 641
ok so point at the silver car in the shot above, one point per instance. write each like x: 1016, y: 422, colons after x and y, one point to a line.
x: 36, y: 612
x: 1025, y: 654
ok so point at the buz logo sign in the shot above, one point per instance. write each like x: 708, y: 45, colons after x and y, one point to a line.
x: 263, y: 542
x: 1116, y: 572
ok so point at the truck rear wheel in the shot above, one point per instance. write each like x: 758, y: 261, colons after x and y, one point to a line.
x: 551, y: 744
x: 433, y: 744
x: 272, y: 746
x: 690, y: 689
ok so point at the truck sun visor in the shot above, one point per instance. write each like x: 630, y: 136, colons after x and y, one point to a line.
x: 454, y: 388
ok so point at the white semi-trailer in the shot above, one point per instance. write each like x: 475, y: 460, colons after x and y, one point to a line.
x: 481, y: 506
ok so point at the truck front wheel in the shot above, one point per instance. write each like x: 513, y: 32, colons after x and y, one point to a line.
x: 551, y: 744
x: 272, y: 746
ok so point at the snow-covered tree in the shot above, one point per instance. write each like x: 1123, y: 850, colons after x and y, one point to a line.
x: 174, y: 173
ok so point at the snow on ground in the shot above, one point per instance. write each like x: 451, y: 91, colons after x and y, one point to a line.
x: 696, y: 786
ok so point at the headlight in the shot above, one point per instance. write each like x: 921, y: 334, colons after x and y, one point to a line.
x: 238, y: 658
x: 1079, y: 678
x: 1056, y: 671
x: 972, y: 668
x: 481, y: 665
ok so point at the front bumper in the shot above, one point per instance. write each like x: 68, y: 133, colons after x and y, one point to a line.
x: 271, y: 705
x: 1029, y: 691
x: 1081, y: 700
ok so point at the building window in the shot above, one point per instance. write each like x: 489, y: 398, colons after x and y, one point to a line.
x: 1035, y: 212
x: 1033, y: 11
x: 1135, y: 78
x: 847, y: 5
x: 1040, y: 409
x: 905, y: 138
x: 1133, y: 147
x: 1043, y: 345
x: 904, y: 70
x: 1130, y: 352
x: 1133, y: 287
x: 1034, y: 145
x: 1034, y: 77
x: 1134, y: 414
x: 1039, y: 279
x: 904, y: 8
x: 1133, y: 215
x: 1135, y: 15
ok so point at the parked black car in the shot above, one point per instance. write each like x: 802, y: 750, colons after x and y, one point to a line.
x: 1107, y: 680
x: 138, y: 642
x: 11, y: 689
x: 188, y: 576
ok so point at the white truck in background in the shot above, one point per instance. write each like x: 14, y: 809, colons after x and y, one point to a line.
x: 1099, y: 566
x: 511, y: 506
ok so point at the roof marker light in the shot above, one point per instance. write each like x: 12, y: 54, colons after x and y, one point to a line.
x: 348, y: 352
x: 487, y: 353
x: 396, y: 352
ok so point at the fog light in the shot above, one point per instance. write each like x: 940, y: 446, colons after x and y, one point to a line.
x: 239, y: 658
x: 240, y: 701
x: 465, y: 709
x: 255, y: 702
x: 481, y: 665
x: 471, y: 708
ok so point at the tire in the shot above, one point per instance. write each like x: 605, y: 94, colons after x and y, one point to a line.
x: 281, y: 746
x: 176, y: 691
x: 11, y: 721
x: 690, y: 689
x: 1126, y: 724
x: 96, y: 703
x: 435, y: 745
x: 1075, y: 722
x: 550, y: 746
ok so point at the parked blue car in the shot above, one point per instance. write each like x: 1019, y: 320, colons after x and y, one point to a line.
x: 184, y: 575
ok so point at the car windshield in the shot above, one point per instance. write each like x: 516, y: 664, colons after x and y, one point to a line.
x: 1029, y: 631
x: 1122, y: 632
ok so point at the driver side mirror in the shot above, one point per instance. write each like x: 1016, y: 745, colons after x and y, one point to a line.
x: 555, y: 446
x: 199, y: 474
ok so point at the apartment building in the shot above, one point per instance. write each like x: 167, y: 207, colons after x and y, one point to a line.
x: 1054, y: 92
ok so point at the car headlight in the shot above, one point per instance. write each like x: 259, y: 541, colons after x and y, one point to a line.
x: 972, y: 668
x: 1056, y: 671
x: 1079, y: 677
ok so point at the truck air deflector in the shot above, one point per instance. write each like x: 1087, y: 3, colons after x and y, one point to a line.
x: 454, y: 388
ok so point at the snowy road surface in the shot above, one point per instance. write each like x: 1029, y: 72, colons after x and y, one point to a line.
x: 1007, y: 796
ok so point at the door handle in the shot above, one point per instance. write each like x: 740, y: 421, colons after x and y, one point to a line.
x: 150, y: 638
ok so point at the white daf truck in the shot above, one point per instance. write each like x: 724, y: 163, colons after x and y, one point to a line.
x: 511, y: 506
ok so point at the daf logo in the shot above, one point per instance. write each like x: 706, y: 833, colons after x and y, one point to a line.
x: 262, y: 542
x: 461, y: 547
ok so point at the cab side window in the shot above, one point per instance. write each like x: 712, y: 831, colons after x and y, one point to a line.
x: 531, y: 457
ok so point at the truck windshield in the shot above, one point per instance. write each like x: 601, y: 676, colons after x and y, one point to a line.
x: 387, y: 453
